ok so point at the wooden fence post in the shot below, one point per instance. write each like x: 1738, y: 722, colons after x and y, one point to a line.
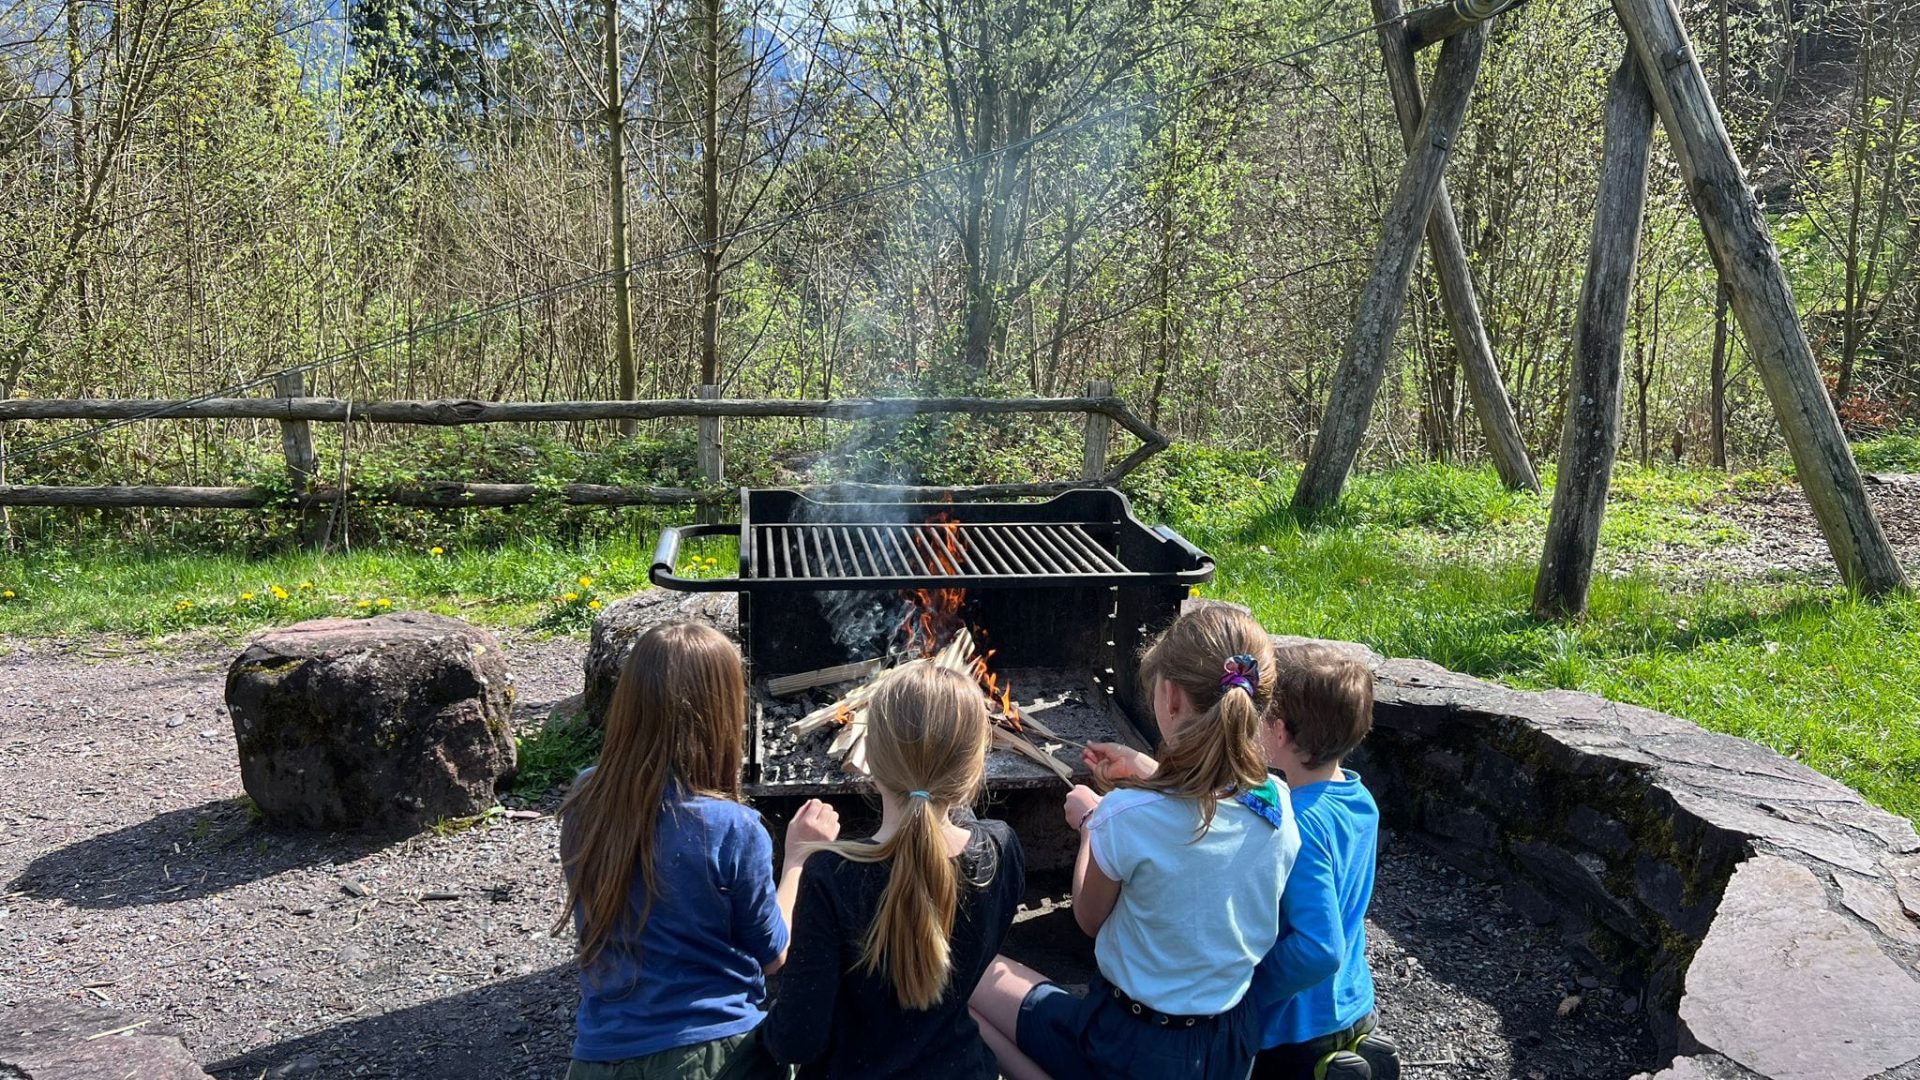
x: 1763, y: 301
x: 1591, y: 436
x: 1498, y: 425
x: 303, y: 463
x: 1093, y: 458
x: 1357, y: 383
x: 713, y: 467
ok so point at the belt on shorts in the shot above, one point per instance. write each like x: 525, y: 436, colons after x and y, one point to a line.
x: 1154, y: 1016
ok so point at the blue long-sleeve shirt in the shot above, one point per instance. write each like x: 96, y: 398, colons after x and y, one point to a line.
x: 1315, y: 979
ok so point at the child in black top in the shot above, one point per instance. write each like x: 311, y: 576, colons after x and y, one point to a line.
x: 891, y: 934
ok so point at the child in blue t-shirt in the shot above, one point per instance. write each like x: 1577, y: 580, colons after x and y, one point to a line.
x: 669, y: 878
x: 1314, y: 988
x: 1178, y: 879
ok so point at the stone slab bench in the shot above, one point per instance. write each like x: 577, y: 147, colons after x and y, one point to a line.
x: 1769, y: 913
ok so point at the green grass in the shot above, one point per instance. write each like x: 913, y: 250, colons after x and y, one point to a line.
x: 1426, y: 561
x: 1899, y: 452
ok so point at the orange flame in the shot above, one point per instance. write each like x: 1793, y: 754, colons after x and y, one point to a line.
x: 935, y: 615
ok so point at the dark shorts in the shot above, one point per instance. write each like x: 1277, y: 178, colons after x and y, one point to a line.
x: 1085, y: 1038
x: 737, y: 1057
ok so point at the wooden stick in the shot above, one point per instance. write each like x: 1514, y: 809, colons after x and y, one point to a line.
x: 827, y: 676
x: 1007, y: 740
x: 856, y: 759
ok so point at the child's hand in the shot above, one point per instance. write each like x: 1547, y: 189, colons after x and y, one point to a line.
x: 1112, y: 761
x: 1081, y: 802
x: 816, y: 823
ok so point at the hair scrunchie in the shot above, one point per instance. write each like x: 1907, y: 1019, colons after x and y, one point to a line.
x: 1241, y: 672
x: 919, y: 795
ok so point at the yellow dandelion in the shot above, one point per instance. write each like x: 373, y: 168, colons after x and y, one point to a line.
x: 436, y: 551
x: 571, y: 597
x: 383, y: 602
x: 586, y: 582
x: 364, y: 604
x: 305, y: 585
x: 247, y: 596
x: 279, y: 593
x: 7, y: 594
x: 593, y: 605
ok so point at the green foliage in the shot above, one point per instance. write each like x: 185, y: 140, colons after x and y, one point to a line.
x: 1897, y: 453
x: 553, y: 754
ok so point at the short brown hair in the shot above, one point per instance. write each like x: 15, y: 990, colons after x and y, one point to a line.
x: 1325, y: 699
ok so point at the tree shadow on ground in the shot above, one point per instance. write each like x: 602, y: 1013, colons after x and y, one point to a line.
x: 182, y: 855
x: 514, y: 1029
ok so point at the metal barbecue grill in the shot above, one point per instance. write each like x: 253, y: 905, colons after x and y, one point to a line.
x: 960, y: 555
x: 1065, y: 591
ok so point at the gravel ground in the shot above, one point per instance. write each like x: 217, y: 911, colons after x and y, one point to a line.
x: 134, y: 877
x: 1784, y: 541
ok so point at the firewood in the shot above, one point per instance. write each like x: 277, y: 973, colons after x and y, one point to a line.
x: 786, y: 685
x: 844, y: 739
x: 856, y: 760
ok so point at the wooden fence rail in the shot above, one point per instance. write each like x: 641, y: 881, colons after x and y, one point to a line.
x: 1102, y: 409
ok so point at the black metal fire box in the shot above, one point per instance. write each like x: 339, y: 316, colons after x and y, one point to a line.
x: 1076, y: 582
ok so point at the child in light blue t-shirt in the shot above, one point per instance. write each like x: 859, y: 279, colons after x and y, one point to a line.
x: 1178, y: 880
x: 1314, y: 989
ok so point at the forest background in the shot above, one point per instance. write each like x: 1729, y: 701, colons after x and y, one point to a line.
x: 884, y: 197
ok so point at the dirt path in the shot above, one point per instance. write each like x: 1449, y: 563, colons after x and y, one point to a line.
x: 133, y: 876
x: 1784, y: 540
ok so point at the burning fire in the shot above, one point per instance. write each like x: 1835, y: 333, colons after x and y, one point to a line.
x: 934, y: 616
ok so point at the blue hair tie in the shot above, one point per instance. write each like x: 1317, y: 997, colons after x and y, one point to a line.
x: 919, y: 795
x: 1242, y: 672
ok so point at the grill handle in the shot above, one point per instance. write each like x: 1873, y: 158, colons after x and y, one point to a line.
x: 1203, y: 568
x: 667, y: 553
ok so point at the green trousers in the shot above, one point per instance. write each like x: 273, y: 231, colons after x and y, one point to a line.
x: 737, y: 1057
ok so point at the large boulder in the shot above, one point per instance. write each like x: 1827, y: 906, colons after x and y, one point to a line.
x: 386, y: 724
x: 622, y: 623
x: 62, y: 1039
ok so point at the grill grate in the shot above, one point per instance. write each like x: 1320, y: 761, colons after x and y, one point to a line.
x: 983, y: 551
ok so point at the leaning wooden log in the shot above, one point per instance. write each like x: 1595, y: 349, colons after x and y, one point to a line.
x: 1763, y: 301
x: 827, y: 676
x: 1433, y: 25
x: 1364, y: 365
x: 1591, y: 436
x: 1490, y: 401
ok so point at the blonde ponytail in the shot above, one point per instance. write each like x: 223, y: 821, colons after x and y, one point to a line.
x: 1224, y: 661
x: 927, y: 738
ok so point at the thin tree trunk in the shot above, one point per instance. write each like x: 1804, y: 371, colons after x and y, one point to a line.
x: 617, y: 211
x: 710, y: 253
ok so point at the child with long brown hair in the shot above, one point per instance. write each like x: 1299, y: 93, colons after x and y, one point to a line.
x: 1178, y: 880
x: 891, y: 934
x: 669, y: 878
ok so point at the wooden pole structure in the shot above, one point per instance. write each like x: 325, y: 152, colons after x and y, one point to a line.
x: 1592, y: 432
x: 1093, y: 456
x: 1762, y: 300
x: 1355, y: 385
x: 1490, y: 402
x: 303, y: 463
